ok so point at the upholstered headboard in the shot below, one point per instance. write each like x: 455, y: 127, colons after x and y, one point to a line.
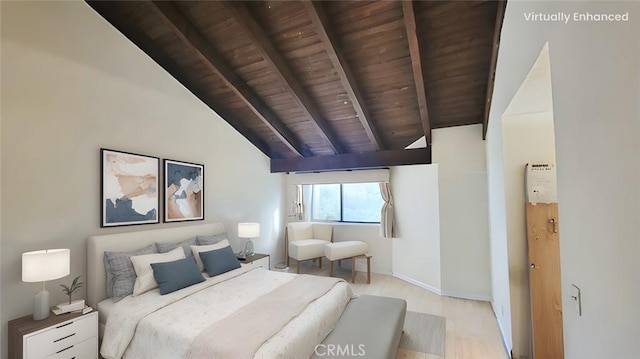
x: 129, y: 241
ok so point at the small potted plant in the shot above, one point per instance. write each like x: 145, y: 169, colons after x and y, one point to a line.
x: 70, y: 291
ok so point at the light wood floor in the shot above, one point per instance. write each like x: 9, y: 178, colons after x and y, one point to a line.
x: 471, y: 331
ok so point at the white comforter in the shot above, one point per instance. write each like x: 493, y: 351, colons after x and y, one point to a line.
x: 155, y: 326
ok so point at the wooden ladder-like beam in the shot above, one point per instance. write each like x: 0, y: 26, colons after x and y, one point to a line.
x: 353, y: 161
x: 193, y: 39
x: 339, y: 61
x: 242, y: 15
x: 416, y: 64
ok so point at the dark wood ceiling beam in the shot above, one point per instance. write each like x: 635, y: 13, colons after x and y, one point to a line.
x: 352, y: 161
x: 492, y: 67
x: 331, y: 46
x: 243, y: 16
x: 193, y: 39
x: 416, y: 64
x: 148, y: 46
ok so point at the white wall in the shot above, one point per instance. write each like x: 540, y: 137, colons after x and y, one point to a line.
x: 464, y: 224
x: 416, y: 248
x: 72, y: 84
x: 500, y: 286
x: 596, y: 89
x: 441, y: 213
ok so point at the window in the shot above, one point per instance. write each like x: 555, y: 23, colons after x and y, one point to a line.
x: 349, y: 202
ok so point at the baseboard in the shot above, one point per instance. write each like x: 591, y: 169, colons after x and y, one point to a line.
x: 418, y: 283
x: 481, y: 298
x: 507, y: 350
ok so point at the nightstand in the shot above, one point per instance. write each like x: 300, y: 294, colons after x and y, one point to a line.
x: 71, y: 335
x: 258, y: 260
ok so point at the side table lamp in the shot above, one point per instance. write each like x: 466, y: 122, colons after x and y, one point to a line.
x: 41, y: 266
x: 248, y: 230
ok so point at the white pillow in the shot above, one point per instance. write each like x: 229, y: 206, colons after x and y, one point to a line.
x: 209, y: 247
x: 142, y: 265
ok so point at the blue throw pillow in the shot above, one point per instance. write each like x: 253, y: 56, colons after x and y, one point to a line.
x: 219, y: 261
x: 175, y: 275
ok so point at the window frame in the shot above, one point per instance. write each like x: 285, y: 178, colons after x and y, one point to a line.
x: 312, y: 212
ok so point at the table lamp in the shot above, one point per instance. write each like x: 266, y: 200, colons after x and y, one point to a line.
x: 41, y: 266
x: 248, y: 231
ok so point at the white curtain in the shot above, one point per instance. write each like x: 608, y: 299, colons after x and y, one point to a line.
x: 299, y: 202
x: 387, y: 228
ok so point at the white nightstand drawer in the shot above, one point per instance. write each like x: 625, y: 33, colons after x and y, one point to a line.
x: 87, y: 349
x: 55, y: 339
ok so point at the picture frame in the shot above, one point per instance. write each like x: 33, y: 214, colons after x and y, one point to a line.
x: 183, y: 191
x: 129, y: 188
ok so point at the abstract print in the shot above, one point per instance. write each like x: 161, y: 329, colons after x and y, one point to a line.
x: 183, y: 191
x: 129, y: 188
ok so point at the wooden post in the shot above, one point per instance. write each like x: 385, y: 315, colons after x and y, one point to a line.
x: 543, y: 239
x: 544, y: 280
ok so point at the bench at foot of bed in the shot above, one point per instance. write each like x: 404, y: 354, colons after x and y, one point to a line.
x: 370, y: 327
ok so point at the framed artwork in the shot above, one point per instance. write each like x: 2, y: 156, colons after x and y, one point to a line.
x: 130, y: 186
x: 183, y: 191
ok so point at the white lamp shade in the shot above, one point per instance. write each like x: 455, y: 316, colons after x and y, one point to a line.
x: 248, y: 230
x: 48, y: 264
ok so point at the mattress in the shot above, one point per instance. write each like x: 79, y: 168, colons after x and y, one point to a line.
x: 104, y: 309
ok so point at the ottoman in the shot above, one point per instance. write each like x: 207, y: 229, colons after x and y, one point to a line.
x: 337, y: 251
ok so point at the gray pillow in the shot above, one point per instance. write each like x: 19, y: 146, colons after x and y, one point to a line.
x: 186, y: 246
x: 219, y: 261
x: 211, y: 239
x: 120, y: 273
x: 175, y: 275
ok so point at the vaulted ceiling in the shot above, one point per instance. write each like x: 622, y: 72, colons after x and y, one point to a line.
x: 326, y: 85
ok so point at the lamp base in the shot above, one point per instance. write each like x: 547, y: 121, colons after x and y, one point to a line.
x: 41, y: 308
x: 248, y: 249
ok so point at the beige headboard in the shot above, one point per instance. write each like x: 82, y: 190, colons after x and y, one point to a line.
x: 129, y: 241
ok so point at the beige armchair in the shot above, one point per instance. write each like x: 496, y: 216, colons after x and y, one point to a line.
x: 307, y: 240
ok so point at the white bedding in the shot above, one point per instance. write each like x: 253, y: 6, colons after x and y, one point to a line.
x: 104, y: 307
x: 155, y: 326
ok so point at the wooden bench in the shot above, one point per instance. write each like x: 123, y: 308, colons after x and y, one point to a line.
x: 370, y: 327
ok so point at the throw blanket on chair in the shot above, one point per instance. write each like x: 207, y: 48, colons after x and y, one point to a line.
x: 241, y: 334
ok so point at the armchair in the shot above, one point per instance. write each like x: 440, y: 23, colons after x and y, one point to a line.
x: 307, y: 240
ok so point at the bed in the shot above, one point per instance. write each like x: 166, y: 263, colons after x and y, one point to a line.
x: 232, y: 315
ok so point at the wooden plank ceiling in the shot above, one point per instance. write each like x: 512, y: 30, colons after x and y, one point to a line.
x: 326, y: 85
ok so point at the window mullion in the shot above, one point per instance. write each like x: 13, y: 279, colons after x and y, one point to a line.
x: 313, y: 215
x: 341, y: 204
